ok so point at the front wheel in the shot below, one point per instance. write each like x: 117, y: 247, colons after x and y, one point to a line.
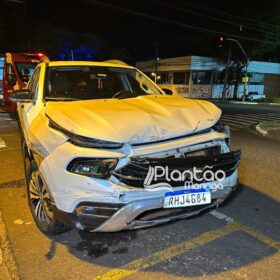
x: 40, y: 201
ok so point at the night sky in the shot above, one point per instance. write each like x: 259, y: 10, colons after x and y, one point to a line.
x: 138, y: 34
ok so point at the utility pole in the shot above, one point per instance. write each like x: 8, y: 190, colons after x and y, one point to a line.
x: 226, y: 74
x: 156, y: 61
x: 246, y: 67
x: 247, y: 80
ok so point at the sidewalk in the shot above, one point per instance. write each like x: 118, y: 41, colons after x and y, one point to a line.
x: 8, y: 268
x: 241, y: 102
x: 4, y: 274
x: 270, y: 129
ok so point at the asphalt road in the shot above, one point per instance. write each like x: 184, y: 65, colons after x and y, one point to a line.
x: 240, y: 240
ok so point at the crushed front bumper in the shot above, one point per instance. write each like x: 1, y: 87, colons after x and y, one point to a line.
x: 107, y: 206
x: 111, y: 217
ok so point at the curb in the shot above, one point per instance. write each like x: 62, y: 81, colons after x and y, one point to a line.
x: 260, y: 130
x: 244, y: 103
x: 8, y: 264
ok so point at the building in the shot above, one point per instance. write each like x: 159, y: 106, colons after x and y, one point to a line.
x: 199, y: 77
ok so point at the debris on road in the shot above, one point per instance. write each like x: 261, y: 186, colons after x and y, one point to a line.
x: 18, y: 222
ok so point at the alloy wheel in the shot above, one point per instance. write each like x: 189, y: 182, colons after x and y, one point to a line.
x: 40, y: 199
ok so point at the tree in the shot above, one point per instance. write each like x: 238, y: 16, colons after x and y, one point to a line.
x: 63, y: 42
x: 236, y: 70
x: 269, y: 22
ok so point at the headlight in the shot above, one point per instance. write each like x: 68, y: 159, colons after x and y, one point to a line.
x: 217, y: 126
x: 98, y: 168
x: 84, y: 141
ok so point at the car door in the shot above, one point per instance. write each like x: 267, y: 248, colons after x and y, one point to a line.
x: 27, y: 111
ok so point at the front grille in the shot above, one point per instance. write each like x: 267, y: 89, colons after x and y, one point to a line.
x: 135, y: 172
x: 212, y: 151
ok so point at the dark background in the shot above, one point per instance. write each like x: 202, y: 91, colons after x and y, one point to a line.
x: 97, y: 32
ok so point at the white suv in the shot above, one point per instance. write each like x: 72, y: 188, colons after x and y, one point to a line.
x: 105, y: 149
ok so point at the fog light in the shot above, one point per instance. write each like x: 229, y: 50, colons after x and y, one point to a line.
x: 99, y: 168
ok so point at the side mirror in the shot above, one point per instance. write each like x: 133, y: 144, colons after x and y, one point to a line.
x: 21, y: 96
x: 25, y: 72
x: 167, y: 91
x: 11, y: 79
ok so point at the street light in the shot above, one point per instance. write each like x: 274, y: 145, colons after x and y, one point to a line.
x: 155, y: 76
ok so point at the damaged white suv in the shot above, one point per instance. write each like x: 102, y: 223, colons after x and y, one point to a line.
x: 105, y: 149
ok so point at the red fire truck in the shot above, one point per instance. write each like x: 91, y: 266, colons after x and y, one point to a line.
x: 15, y: 71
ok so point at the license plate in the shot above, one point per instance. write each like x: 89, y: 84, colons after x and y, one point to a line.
x: 184, y: 198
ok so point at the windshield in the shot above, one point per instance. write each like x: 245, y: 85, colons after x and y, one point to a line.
x: 25, y: 70
x: 95, y: 82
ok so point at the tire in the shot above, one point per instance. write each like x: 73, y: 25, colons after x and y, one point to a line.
x: 40, y: 201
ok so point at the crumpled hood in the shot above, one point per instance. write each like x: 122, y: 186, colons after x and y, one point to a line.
x: 134, y: 120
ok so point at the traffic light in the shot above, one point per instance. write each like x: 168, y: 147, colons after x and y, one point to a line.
x: 221, y: 42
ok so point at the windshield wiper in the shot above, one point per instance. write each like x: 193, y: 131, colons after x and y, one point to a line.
x: 52, y: 98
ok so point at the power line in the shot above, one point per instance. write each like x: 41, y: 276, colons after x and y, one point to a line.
x: 210, y: 17
x: 228, y: 14
x: 188, y: 26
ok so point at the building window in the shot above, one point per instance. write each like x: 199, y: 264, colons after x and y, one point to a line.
x: 256, y: 79
x: 218, y: 78
x: 176, y: 78
x: 179, y: 78
x: 165, y: 78
x: 201, y: 77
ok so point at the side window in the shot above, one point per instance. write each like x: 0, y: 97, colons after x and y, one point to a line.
x: 33, y: 84
x: 140, y: 82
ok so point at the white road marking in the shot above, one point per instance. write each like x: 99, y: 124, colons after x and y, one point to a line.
x: 232, y: 128
x: 2, y: 143
x: 234, y: 122
x: 221, y: 216
x: 242, y: 120
x: 257, y: 118
x: 237, y: 120
x: 273, y: 114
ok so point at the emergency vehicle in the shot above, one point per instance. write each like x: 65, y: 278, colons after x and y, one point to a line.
x: 15, y: 71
